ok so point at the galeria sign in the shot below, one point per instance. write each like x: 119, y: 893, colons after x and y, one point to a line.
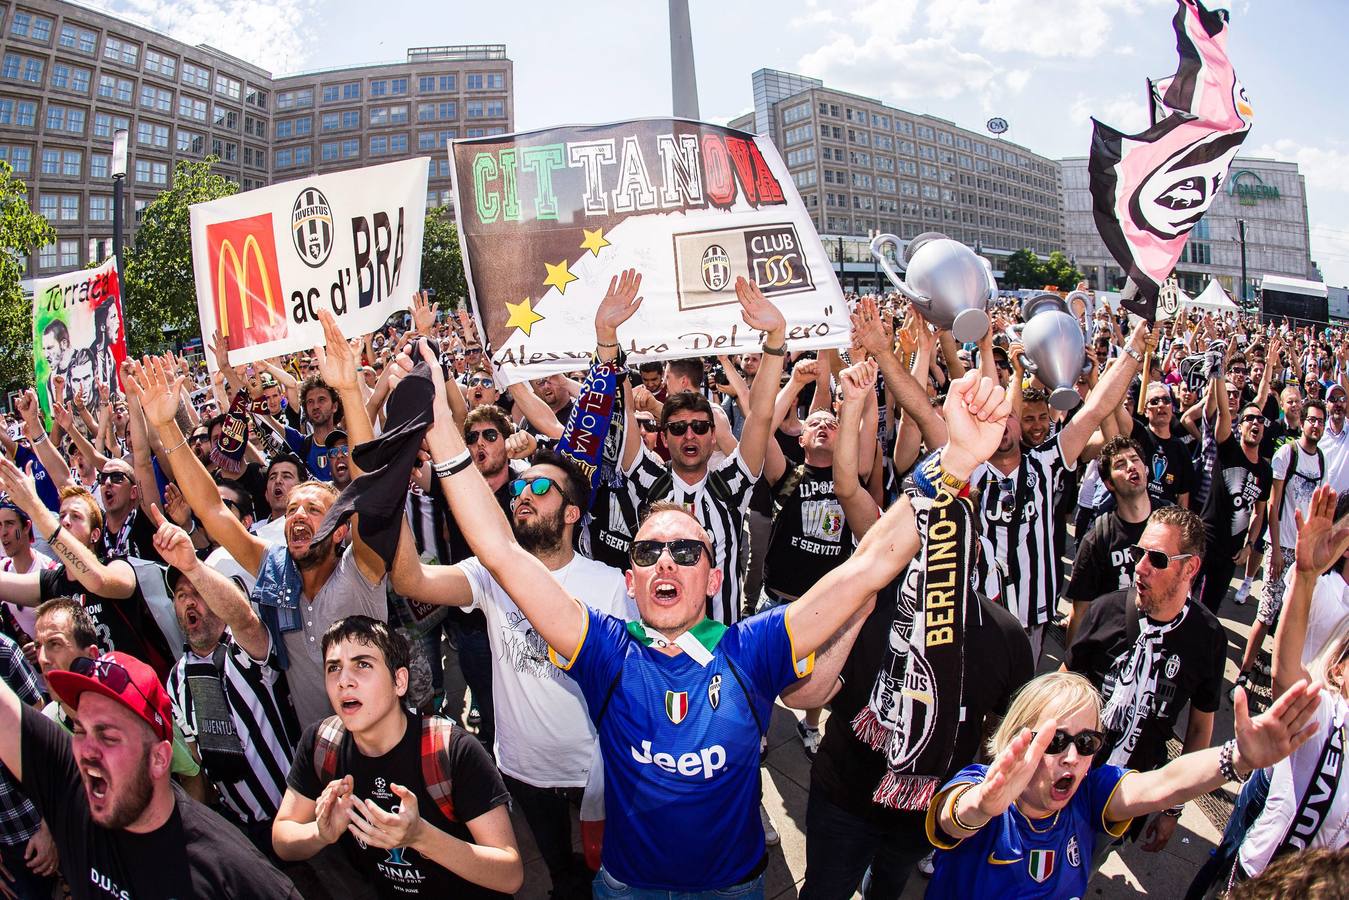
x: 547, y: 218
x: 266, y: 261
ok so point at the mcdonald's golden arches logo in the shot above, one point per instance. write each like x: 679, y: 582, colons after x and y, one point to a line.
x: 250, y: 307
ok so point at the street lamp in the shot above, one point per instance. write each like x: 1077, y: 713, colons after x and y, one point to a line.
x: 119, y: 143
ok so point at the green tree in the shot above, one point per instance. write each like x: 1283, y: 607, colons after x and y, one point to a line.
x: 1058, y: 271
x: 22, y: 231
x: 159, y: 289
x: 442, y: 264
x: 1022, y: 270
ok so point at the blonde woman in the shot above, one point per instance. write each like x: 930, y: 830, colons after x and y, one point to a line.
x: 1308, y: 803
x: 1027, y: 825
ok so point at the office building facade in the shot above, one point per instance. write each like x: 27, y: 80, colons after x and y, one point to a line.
x: 1268, y: 196
x: 862, y: 166
x: 71, y: 77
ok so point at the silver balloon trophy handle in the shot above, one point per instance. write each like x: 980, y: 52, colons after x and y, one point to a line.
x: 1013, y: 333
x: 878, y: 252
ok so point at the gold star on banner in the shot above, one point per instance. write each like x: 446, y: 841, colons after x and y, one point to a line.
x: 559, y: 276
x: 522, y: 316
x: 594, y: 240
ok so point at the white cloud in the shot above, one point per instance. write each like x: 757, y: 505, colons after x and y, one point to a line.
x: 1325, y: 168
x: 921, y: 69
x: 1125, y: 112
x: 275, y: 36
x: 725, y: 120
x: 1043, y: 28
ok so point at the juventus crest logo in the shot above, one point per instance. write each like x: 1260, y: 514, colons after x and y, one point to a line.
x: 714, y: 691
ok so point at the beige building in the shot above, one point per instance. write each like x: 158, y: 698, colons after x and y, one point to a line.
x: 71, y: 77
x: 862, y: 166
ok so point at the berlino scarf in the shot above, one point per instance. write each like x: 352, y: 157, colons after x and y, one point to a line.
x: 228, y: 454
x: 913, y: 713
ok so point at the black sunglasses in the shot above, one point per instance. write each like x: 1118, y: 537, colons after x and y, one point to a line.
x: 1156, y: 558
x: 1087, y: 742
x: 108, y: 673
x: 537, y: 486
x: 1252, y: 417
x: 490, y: 435
x: 114, y: 477
x: 684, y: 551
x: 1006, y: 492
x: 699, y: 426
x: 649, y: 425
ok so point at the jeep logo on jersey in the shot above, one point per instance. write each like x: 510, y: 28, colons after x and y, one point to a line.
x: 1041, y: 865
x: 676, y: 705
x: 704, y: 762
x: 714, y: 691
x: 311, y: 225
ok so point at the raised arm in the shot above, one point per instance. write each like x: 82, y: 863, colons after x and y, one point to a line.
x: 619, y: 304
x: 37, y: 435
x: 1320, y: 544
x: 859, y: 509
x: 976, y: 410
x: 157, y: 387
x: 414, y: 579
x: 559, y: 618
x: 911, y: 395
x: 116, y: 580
x: 536, y: 412
x: 760, y: 314
x: 219, y: 592
x: 1105, y: 398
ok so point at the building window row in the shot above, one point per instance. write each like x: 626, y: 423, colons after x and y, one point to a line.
x: 31, y: 26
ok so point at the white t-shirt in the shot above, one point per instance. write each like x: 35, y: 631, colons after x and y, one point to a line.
x: 1329, y: 607
x: 1289, y: 782
x: 1297, y: 488
x: 1336, y: 450
x: 544, y: 735
x: 26, y: 616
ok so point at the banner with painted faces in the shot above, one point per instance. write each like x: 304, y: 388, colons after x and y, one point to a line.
x: 547, y: 218
x: 79, y: 340
x: 266, y: 261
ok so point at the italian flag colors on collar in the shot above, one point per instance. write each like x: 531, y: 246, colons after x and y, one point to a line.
x: 698, y: 642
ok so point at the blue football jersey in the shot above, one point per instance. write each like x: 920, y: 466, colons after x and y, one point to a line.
x: 681, y: 747
x: 1012, y: 857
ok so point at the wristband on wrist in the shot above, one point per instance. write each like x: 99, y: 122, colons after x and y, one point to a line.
x: 955, y: 812
x: 452, y: 466
x: 39, y: 439
x: 1174, y: 812
x: 779, y: 350
x: 1226, y: 765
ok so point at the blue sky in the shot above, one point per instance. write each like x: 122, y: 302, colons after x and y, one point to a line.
x: 1044, y: 65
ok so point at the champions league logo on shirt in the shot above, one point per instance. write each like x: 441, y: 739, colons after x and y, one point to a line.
x: 399, y: 870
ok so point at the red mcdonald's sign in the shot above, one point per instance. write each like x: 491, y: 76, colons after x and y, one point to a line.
x: 250, y: 308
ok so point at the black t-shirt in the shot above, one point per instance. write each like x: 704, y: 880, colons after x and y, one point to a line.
x: 1188, y: 668
x: 810, y: 536
x: 998, y: 661
x: 476, y: 789
x: 1238, y: 485
x: 761, y: 496
x: 1170, y: 471
x: 1103, y: 565
x: 135, y: 538
x: 124, y: 625
x: 196, y: 853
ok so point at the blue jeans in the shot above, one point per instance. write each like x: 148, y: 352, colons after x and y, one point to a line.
x: 1249, y: 804
x: 475, y: 662
x: 607, y: 887
x: 841, y: 847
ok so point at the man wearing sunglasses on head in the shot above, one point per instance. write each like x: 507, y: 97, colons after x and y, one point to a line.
x: 121, y: 826
x: 545, y: 742
x: 1151, y: 650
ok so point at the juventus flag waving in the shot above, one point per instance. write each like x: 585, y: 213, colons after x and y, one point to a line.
x: 1149, y: 189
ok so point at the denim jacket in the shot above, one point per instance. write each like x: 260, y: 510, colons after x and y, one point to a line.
x: 277, y: 594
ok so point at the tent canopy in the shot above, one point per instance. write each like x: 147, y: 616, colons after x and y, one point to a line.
x: 1213, y: 298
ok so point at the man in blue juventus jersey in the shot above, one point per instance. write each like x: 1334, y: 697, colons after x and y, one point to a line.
x: 679, y: 701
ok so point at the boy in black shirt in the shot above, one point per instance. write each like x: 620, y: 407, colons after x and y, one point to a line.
x: 1234, y: 511
x: 360, y: 777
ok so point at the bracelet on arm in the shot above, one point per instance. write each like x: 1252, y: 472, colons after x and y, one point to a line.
x: 1226, y: 768
x: 955, y: 814
x: 1174, y: 812
x: 39, y: 439
x: 452, y: 466
x: 179, y: 445
x: 613, y: 346
x: 779, y: 350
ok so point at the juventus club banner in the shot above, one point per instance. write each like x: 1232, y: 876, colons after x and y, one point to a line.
x: 1149, y: 189
x: 266, y: 261
x: 547, y: 218
x: 77, y: 335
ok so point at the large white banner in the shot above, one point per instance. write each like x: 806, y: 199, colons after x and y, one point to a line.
x: 78, y: 335
x: 547, y: 218
x: 266, y: 261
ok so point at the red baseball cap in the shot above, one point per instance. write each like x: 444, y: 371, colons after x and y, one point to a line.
x: 119, y: 677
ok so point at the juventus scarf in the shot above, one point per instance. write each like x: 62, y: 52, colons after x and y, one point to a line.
x: 914, y: 709
x: 1320, y: 795
x: 1130, y: 687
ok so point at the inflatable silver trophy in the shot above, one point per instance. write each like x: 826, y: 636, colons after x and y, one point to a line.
x: 1055, y: 346
x: 948, y: 283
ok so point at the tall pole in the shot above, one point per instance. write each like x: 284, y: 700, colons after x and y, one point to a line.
x: 1241, y: 236
x: 683, y: 78
x: 118, y: 165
